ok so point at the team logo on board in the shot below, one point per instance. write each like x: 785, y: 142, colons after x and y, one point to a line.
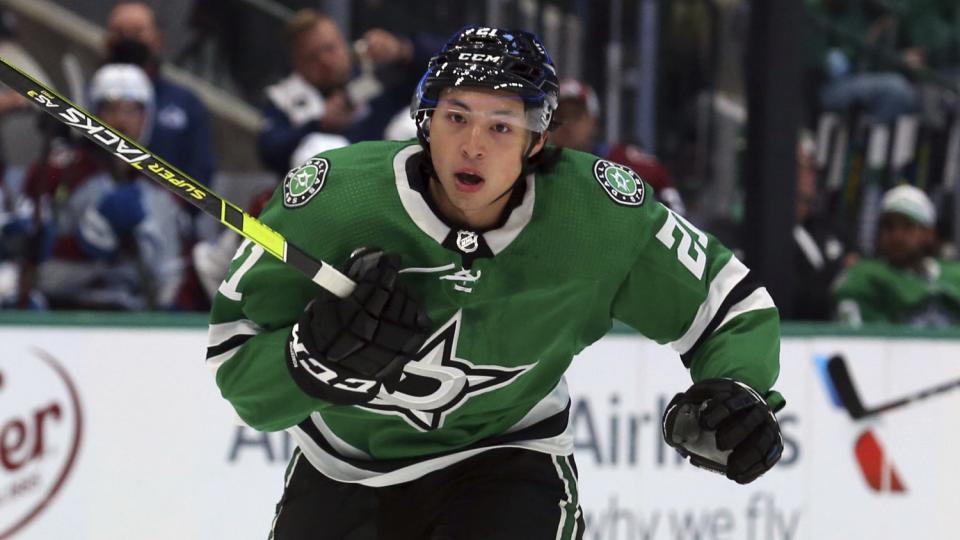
x: 622, y: 184
x: 302, y: 183
x: 41, y: 425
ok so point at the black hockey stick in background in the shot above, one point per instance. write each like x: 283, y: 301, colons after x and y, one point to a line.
x: 843, y: 383
x: 171, y: 178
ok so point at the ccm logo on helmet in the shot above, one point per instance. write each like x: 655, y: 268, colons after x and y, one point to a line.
x: 479, y: 57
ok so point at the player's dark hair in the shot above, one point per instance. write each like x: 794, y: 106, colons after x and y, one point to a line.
x: 543, y: 161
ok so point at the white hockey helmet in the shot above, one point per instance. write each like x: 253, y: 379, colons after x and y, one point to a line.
x: 120, y: 82
x: 126, y: 82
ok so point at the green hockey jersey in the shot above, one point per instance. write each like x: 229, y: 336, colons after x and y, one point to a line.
x: 585, y: 244
x: 874, y: 291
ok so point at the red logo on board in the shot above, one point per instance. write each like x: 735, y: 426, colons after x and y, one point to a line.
x: 40, y: 432
x: 878, y: 471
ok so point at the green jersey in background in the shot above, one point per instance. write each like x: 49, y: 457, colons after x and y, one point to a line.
x: 874, y: 291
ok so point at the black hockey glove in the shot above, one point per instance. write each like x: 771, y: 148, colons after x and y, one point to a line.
x: 726, y: 427
x: 343, y: 350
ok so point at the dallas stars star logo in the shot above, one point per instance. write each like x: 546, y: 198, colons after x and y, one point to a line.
x: 302, y: 183
x: 437, y: 382
x: 622, y: 184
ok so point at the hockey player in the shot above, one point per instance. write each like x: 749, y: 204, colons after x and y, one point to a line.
x: 431, y: 402
x: 111, y: 237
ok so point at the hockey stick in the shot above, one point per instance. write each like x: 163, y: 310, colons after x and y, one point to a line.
x: 170, y: 177
x: 843, y: 383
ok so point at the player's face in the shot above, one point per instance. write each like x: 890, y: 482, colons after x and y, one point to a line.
x: 321, y: 56
x: 477, y: 140
x: 901, y: 241
x: 127, y: 117
x: 134, y: 21
x: 576, y: 126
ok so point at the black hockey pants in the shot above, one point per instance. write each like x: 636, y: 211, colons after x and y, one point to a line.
x: 502, y: 494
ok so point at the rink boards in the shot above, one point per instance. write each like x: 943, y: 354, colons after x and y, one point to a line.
x: 118, y: 432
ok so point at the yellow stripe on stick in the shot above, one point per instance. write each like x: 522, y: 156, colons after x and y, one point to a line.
x: 270, y: 239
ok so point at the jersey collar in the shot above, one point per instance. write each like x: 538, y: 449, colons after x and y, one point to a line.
x: 427, y: 221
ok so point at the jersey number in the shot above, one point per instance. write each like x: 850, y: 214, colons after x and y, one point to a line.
x: 229, y: 287
x: 690, y: 254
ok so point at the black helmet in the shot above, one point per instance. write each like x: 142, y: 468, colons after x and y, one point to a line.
x: 511, y: 60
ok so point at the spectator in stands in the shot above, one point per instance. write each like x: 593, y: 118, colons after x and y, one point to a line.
x: 930, y: 34
x: 10, y: 100
x: 11, y: 103
x: 578, y: 113
x: 19, y: 138
x: 819, y: 251
x: 906, y: 284
x: 853, y: 54
x: 180, y: 132
x: 111, y: 238
x: 323, y: 95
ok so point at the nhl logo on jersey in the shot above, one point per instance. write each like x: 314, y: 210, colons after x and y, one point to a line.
x: 467, y: 241
x: 302, y: 183
x: 622, y: 184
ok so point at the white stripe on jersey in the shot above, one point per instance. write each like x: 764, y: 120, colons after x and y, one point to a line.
x: 336, y: 468
x: 338, y: 444
x: 732, y: 273
x: 758, y: 299
x: 342, y: 471
x: 220, y: 333
x: 554, y: 402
